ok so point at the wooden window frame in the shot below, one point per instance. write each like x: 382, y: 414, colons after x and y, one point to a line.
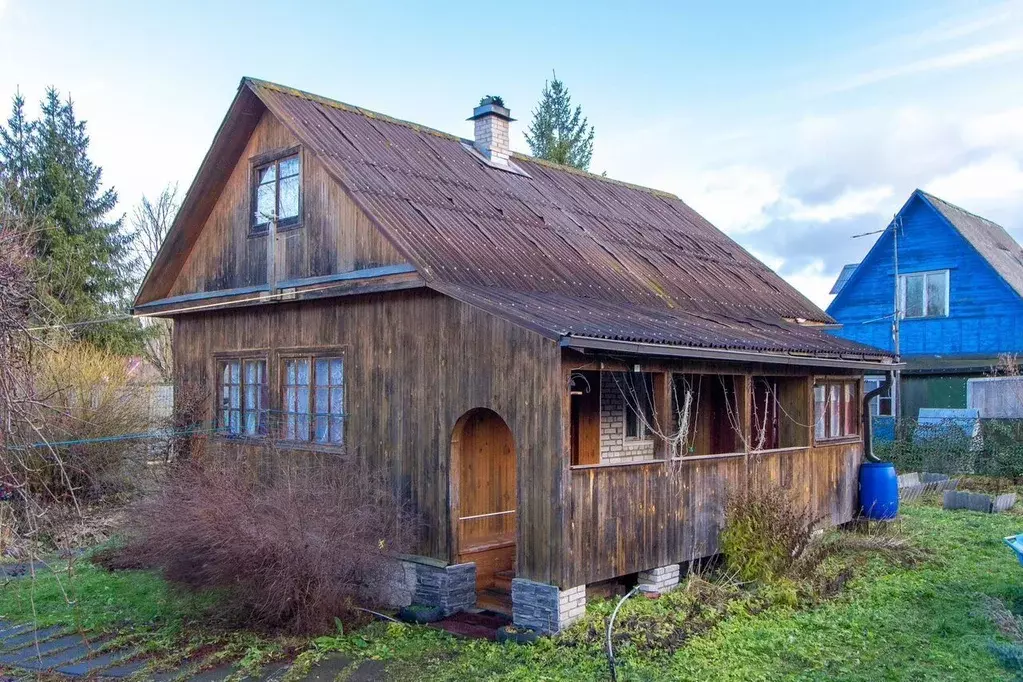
x: 844, y: 397
x: 310, y: 442
x: 646, y: 381
x: 903, y: 278
x: 256, y: 163
x: 242, y: 357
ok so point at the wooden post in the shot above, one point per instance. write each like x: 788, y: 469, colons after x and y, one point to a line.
x: 663, y: 419
x: 743, y: 398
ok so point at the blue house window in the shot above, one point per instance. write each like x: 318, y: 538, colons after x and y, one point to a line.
x: 924, y: 294
x: 880, y: 405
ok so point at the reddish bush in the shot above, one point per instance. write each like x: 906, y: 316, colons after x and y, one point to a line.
x: 293, y: 552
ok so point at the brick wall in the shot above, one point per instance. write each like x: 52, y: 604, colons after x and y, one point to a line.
x: 614, y: 446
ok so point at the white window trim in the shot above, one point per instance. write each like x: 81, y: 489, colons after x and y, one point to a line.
x: 925, y: 273
x: 875, y: 402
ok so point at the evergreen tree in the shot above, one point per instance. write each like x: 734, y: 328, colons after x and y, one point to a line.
x: 15, y: 142
x: 559, y: 133
x: 84, y: 259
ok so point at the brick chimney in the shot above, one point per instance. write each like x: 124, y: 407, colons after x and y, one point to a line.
x: 491, y: 135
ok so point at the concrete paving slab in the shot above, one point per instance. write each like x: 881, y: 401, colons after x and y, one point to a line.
x: 31, y: 651
x: 328, y: 669
x: 369, y: 671
x: 17, y: 630
x: 63, y: 657
x: 88, y: 666
x: 126, y: 669
x: 272, y: 672
x: 213, y: 674
x: 30, y: 637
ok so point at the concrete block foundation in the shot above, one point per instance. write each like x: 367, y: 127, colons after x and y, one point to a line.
x: 660, y: 580
x: 546, y: 608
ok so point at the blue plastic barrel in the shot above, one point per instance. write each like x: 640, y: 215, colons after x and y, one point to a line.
x: 879, y: 491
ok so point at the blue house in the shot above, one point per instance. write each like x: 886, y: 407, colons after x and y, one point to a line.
x: 958, y: 296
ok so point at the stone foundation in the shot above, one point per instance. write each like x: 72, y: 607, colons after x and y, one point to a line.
x: 660, y: 580
x: 546, y: 608
x: 400, y: 586
x: 452, y: 588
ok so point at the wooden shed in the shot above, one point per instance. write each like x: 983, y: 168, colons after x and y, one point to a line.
x: 564, y: 374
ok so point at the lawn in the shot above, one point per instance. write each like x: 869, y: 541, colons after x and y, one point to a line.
x: 891, y: 622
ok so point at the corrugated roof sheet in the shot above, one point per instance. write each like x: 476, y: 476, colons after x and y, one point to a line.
x: 561, y: 250
x: 580, y: 317
x: 990, y: 239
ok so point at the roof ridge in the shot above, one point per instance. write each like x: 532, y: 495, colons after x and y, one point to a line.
x: 928, y: 195
x: 369, y: 113
x: 344, y: 106
x: 585, y: 173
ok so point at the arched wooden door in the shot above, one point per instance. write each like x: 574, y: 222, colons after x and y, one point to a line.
x: 483, y: 499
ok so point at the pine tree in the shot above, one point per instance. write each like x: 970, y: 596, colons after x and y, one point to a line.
x: 558, y: 133
x: 84, y: 259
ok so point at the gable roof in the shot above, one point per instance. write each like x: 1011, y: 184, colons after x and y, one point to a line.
x: 562, y: 251
x: 991, y: 240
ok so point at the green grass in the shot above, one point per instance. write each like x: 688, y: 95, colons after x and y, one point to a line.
x: 141, y: 610
x: 891, y: 622
x: 91, y: 598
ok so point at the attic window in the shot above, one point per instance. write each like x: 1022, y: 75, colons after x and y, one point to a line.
x: 275, y: 193
x: 924, y: 294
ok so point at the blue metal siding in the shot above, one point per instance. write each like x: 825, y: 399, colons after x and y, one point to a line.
x: 985, y: 314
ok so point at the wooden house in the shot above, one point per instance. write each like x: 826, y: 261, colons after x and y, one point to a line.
x: 955, y: 282
x: 564, y: 374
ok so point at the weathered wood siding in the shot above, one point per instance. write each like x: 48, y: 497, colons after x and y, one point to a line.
x: 415, y: 362
x: 635, y: 517
x: 334, y: 236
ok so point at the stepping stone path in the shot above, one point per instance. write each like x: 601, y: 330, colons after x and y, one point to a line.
x: 58, y: 651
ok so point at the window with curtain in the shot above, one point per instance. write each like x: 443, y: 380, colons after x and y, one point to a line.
x: 835, y: 409
x: 924, y: 294
x: 243, y: 397
x: 313, y: 400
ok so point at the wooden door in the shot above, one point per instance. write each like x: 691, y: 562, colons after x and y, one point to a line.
x: 585, y: 418
x: 485, y: 504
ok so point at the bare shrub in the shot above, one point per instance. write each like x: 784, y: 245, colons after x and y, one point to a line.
x: 295, y: 551
x: 87, y: 427
x: 766, y: 530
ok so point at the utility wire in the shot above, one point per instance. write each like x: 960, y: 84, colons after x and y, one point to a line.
x: 205, y: 306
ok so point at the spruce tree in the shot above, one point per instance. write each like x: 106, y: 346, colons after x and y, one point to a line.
x: 15, y: 141
x: 559, y: 133
x: 84, y: 259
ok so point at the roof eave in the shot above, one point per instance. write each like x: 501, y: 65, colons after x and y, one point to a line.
x: 761, y: 357
x: 192, y: 207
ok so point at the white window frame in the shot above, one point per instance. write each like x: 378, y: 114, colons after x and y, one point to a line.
x: 926, y: 274
x: 869, y: 384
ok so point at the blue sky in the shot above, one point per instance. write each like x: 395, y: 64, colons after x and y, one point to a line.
x: 792, y: 126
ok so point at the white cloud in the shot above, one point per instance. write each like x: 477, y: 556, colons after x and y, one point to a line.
x: 999, y: 129
x: 968, y: 56
x: 814, y: 281
x: 849, y: 204
x: 996, y: 179
x: 734, y: 198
